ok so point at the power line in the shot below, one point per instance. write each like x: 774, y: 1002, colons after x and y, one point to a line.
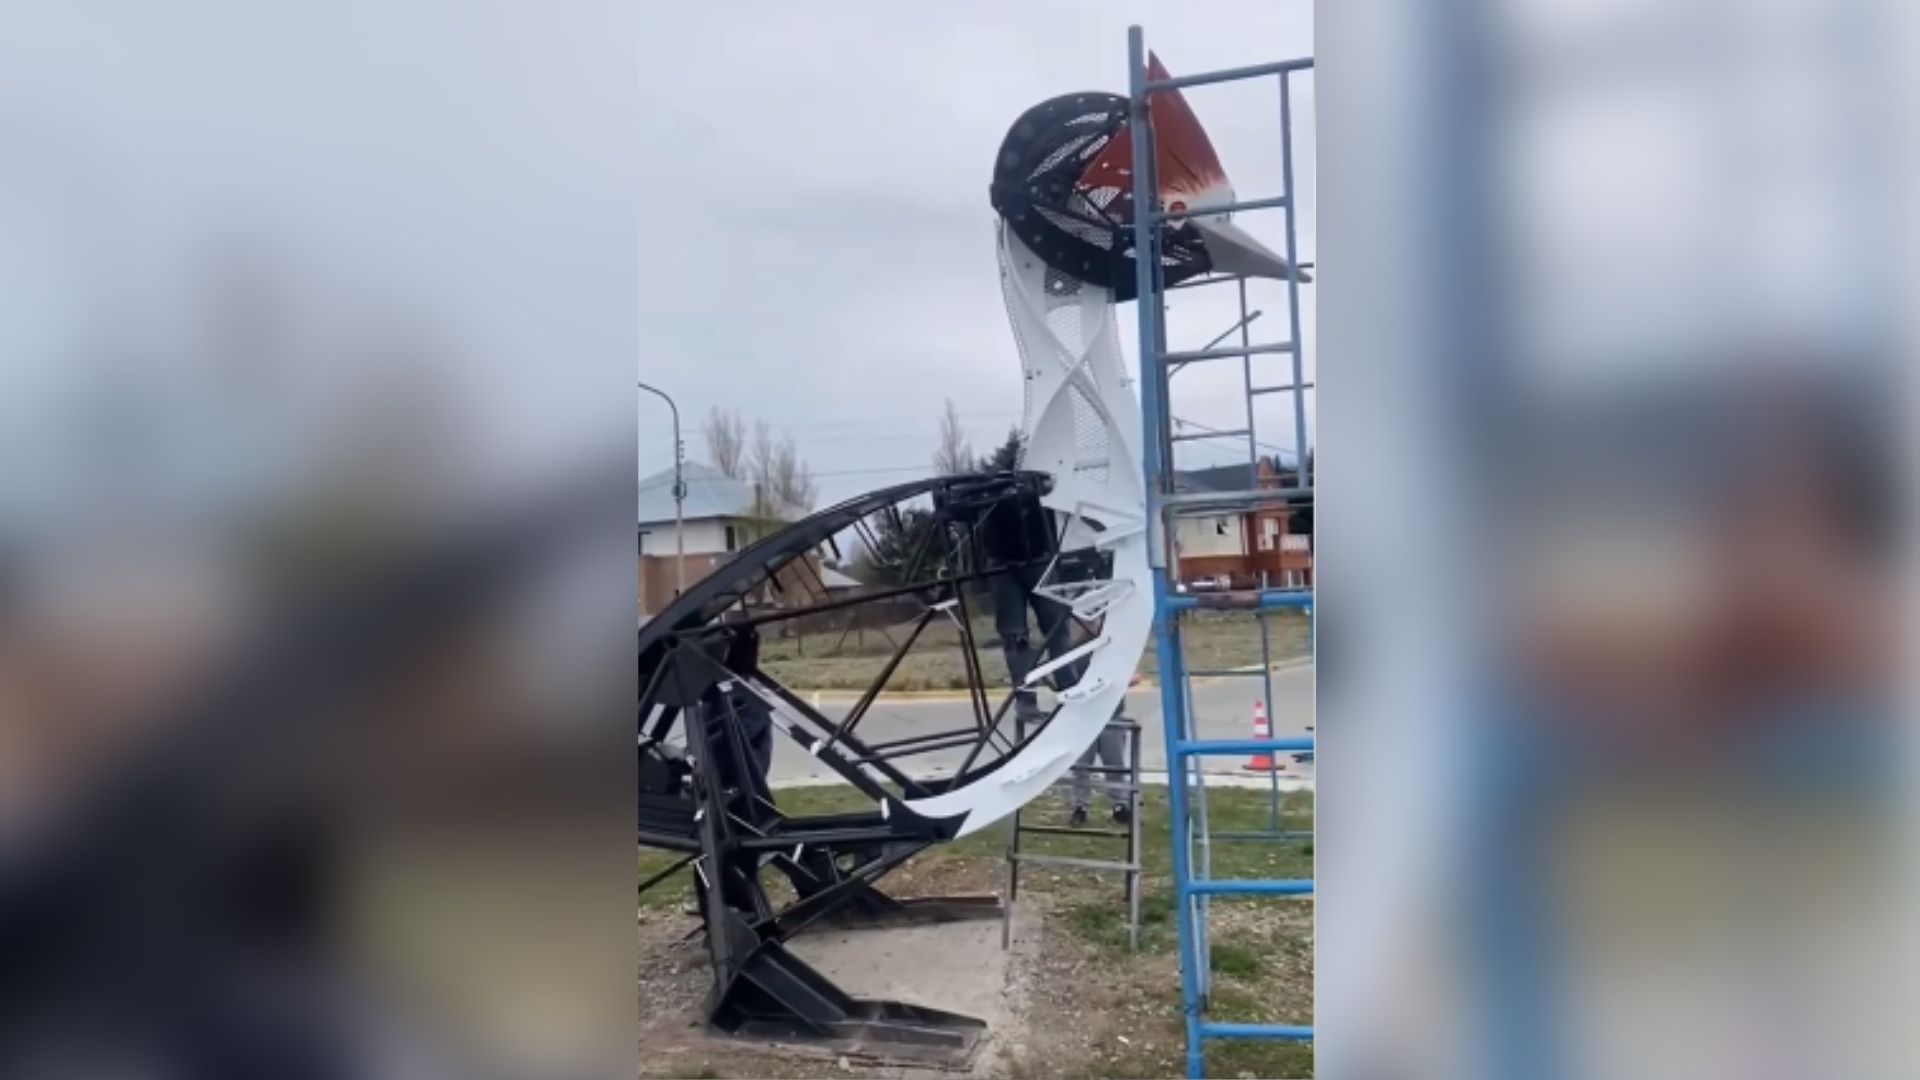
x: 835, y: 424
x: 866, y: 472
x: 1288, y: 450
x: 903, y: 437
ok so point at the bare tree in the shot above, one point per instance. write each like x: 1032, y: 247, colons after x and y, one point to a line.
x: 783, y: 488
x: 790, y: 481
x: 954, y: 455
x: 759, y: 464
x: 727, y: 442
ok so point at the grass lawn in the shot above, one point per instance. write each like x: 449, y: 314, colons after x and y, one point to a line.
x: 1262, y: 949
x: 1213, y: 640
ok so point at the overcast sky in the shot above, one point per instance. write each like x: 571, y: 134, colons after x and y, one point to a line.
x: 818, y: 245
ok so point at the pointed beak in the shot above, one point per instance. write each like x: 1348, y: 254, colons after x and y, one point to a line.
x: 1191, y: 175
x: 1232, y: 250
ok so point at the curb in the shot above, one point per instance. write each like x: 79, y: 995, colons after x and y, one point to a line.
x: 1148, y: 778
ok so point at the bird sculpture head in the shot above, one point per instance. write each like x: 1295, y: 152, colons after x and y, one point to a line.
x: 1063, y: 182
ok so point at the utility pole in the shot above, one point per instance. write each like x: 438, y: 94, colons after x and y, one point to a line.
x: 679, y: 495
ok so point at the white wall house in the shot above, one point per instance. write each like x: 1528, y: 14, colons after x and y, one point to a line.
x: 714, y: 513
x: 703, y: 537
x: 1199, y: 536
x: 717, y: 522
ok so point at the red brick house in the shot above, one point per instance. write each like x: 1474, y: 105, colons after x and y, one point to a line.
x: 1236, y: 549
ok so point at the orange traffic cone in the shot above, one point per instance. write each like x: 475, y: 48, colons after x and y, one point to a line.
x: 1262, y: 761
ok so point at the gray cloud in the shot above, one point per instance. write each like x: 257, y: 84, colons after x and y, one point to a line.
x: 817, y: 244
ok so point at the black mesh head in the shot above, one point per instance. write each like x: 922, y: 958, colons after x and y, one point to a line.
x: 1064, y: 185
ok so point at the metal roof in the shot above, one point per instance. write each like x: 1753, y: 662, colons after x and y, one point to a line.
x: 710, y: 494
x: 1235, y: 477
x: 835, y: 579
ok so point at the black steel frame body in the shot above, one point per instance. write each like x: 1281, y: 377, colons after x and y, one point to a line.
x: 698, y: 800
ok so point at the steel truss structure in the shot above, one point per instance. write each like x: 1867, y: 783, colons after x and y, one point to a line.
x: 702, y: 788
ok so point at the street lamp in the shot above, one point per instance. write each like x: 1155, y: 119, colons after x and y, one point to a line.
x: 679, y: 496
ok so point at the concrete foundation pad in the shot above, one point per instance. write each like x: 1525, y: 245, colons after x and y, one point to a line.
x: 958, y: 967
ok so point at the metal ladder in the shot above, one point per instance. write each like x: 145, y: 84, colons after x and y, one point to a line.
x: 1128, y: 865
x: 1194, y: 886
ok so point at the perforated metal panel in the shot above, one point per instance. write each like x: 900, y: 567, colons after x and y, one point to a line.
x: 1057, y: 186
x: 1093, y: 450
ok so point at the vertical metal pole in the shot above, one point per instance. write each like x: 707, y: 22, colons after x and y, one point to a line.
x: 1293, y: 283
x: 1013, y: 881
x: 1246, y: 388
x: 1133, y: 838
x: 679, y: 494
x: 1153, y: 423
x: 1266, y: 685
x: 1197, y: 812
x: 1013, y: 855
x: 679, y: 510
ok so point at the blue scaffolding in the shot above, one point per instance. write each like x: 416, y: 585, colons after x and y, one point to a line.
x: 1194, y: 885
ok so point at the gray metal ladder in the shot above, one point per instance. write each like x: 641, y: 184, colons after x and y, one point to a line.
x: 1128, y: 865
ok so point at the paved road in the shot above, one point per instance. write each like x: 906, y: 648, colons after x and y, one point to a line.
x: 1223, y: 708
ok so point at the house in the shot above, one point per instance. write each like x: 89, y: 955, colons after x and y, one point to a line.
x: 1236, y: 549
x: 716, y: 521
x: 838, y: 582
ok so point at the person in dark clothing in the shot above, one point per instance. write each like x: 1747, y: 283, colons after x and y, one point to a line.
x: 1012, y: 596
x: 747, y: 714
x: 739, y: 739
x: 1019, y: 533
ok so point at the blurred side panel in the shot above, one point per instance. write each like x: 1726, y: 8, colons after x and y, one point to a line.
x: 316, y: 509
x: 1615, y: 587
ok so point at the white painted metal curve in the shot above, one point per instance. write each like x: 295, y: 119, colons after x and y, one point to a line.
x: 1082, y: 427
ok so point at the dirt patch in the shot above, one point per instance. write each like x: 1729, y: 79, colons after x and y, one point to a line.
x: 673, y: 1039
x: 1072, y: 1002
x: 1076, y: 1000
x: 958, y: 967
x: 1086, y: 1014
